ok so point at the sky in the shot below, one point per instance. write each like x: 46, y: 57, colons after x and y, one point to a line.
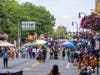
x: 66, y: 11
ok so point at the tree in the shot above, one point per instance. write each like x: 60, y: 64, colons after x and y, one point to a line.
x: 61, y: 32
x: 3, y: 20
x: 27, y: 12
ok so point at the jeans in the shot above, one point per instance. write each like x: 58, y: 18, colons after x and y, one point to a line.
x: 5, y: 62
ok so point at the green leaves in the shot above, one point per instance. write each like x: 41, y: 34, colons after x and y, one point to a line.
x: 16, y: 12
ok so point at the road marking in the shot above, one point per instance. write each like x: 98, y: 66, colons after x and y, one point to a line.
x: 26, y: 69
x: 35, y: 64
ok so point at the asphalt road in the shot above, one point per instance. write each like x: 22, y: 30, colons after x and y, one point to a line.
x: 44, y: 68
x: 33, y: 67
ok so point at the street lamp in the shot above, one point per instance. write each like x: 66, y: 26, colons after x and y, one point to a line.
x: 79, y: 16
x: 86, y: 38
x: 19, y: 35
x: 73, y: 22
x: 80, y: 13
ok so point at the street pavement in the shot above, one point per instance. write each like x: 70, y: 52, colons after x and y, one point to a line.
x: 18, y: 63
x: 33, y: 67
x: 44, y: 68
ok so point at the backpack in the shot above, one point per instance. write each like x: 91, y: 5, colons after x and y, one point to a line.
x: 6, y: 54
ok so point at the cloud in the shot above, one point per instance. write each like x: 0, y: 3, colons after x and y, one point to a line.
x: 65, y: 11
x: 66, y: 17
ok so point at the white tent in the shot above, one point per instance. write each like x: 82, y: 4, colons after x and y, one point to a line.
x: 5, y: 43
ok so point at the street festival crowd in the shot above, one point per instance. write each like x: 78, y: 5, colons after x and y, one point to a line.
x: 84, y: 58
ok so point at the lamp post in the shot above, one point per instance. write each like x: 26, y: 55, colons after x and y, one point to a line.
x: 98, y: 49
x: 73, y: 22
x: 19, y: 36
x: 79, y: 16
x: 81, y: 13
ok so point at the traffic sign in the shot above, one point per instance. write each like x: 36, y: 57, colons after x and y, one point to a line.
x: 28, y: 25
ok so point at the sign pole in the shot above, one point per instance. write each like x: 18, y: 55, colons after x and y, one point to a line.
x: 19, y: 36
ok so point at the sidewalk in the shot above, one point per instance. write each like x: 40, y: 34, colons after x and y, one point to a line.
x: 14, y: 63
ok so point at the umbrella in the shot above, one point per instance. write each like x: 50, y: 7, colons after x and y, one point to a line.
x: 68, y: 44
x: 73, y: 41
x: 5, y: 43
x: 30, y: 44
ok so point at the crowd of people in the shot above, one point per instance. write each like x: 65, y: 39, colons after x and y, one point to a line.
x: 81, y: 56
x: 33, y: 52
x: 83, y: 59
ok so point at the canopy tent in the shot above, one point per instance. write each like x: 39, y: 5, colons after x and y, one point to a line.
x: 30, y: 44
x: 5, y: 43
x: 44, y: 38
x: 41, y: 42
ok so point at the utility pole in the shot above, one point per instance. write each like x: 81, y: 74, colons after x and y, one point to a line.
x: 19, y: 36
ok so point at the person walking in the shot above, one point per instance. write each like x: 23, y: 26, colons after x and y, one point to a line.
x: 5, y: 58
x: 63, y: 54
x: 93, y: 63
x: 44, y: 55
x: 55, y: 70
x: 75, y: 59
x: 40, y: 56
x: 12, y: 54
x: 30, y: 52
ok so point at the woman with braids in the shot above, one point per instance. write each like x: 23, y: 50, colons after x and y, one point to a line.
x: 54, y: 71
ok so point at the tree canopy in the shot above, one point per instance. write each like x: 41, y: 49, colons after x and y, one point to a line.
x: 14, y: 13
x: 61, y: 32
